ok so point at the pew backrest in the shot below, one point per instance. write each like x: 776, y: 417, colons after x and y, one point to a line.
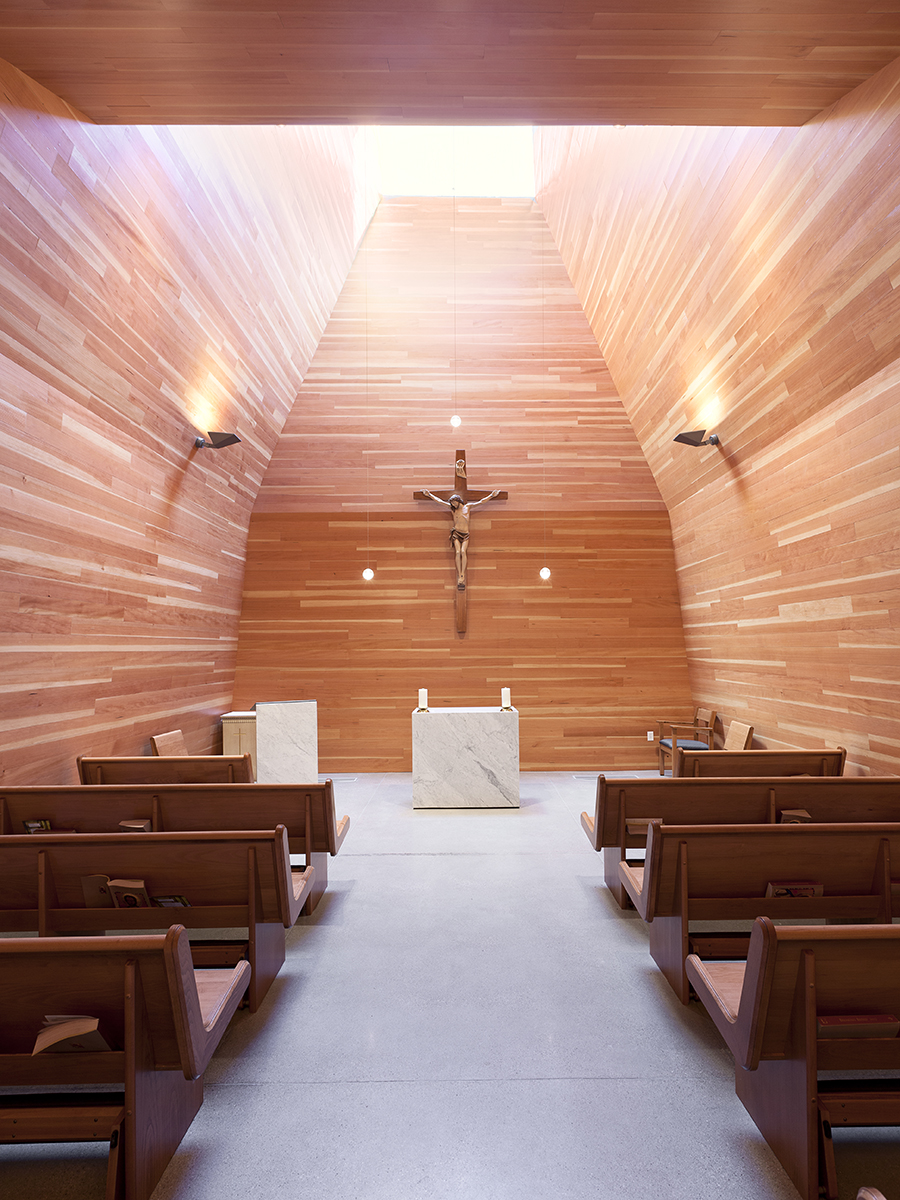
x: 699, y: 763
x: 722, y: 872
x: 183, y: 808
x: 229, y: 878
x: 179, y: 768
x: 623, y: 806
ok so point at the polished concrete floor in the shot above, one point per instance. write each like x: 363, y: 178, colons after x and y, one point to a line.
x: 467, y: 1015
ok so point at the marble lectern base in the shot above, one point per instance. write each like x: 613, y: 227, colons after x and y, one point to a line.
x: 465, y: 758
x: 287, y: 741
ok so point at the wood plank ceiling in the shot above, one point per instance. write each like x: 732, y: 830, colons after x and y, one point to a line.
x: 637, y: 62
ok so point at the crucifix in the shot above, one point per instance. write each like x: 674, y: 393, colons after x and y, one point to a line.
x: 460, y: 500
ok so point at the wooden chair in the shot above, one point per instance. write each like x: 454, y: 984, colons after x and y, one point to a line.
x: 200, y: 768
x: 306, y: 810
x: 170, y: 744
x: 768, y: 1012
x: 230, y: 879
x: 689, y: 764
x: 163, y: 1020
x: 722, y: 872
x: 623, y: 807
x: 702, y: 727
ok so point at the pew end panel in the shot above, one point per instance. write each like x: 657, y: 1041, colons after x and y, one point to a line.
x: 144, y: 990
x: 793, y: 977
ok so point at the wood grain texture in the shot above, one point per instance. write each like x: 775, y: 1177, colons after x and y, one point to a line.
x: 468, y: 309
x: 429, y: 61
x: 745, y: 281
x: 145, y: 295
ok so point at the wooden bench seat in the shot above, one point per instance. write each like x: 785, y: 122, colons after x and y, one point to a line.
x: 767, y: 1010
x: 721, y: 873
x: 192, y: 807
x: 696, y: 764
x: 231, y: 879
x: 163, y: 1020
x: 624, y: 806
x: 175, y: 768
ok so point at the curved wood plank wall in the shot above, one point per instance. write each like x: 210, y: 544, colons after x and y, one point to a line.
x: 746, y: 281
x: 468, y: 309
x: 145, y: 294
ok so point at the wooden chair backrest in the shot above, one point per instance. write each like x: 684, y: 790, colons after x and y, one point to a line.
x: 699, y: 763
x: 738, y: 737
x: 183, y: 808
x: 704, y: 716
x: 856, y: 970
x: 170, y: 744
x: 207, y: 768
x: 89, y: 976
x: 728, y: 868
x: 734, y: 800
x: 41, y: 875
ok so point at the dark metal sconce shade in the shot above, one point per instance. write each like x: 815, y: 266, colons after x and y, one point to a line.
x: 696, y: 438
x: 217, y: 440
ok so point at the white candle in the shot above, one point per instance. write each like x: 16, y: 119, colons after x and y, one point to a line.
x: 423, y: 697
x: 504, y: 698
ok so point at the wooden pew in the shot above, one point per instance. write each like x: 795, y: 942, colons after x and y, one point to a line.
x: 230, y: 879
x: 696, y: 764
x: 176, y: 768
x: 766, y: 1010
x: 720, y: 873
x: 163, y: 1019
x: 624, y: 806
x: 192, y: 807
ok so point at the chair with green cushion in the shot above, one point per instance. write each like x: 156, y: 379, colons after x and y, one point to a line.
x: 702, y: 728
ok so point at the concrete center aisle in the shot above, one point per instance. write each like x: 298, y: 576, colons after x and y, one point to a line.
x: 469, y: 1015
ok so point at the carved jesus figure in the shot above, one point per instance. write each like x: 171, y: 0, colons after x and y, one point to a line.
x: 459, y: 534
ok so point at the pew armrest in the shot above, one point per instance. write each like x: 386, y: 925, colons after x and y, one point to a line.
x: 718, y: 986
x: 343, y: 826
x: 302, y: 879
x: 632, y: 878
x: 587, y: 824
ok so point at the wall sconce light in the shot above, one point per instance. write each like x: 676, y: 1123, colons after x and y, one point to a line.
x: 696, y: 438
x: 217, y: 440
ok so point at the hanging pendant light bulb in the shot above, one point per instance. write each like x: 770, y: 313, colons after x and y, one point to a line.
x: 456, y: 421
x: 368, y: 573
x: 545, y: 572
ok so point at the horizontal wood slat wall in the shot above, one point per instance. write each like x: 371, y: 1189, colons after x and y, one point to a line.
x: 371, y: 61
x: 462, y: 307
x: 746, y: 282
x: 146, y: 294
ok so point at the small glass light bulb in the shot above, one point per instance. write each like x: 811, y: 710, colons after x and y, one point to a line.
x: 368, y: 573
x: 545, y: 572
x: 456, y: 421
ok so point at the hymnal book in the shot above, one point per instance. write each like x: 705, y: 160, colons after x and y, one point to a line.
x: 864, y: 1025
x: 129, y: 893
x: 170, y: 902
x: 799, y: 889
x: 96, y: 891
x: 793, y: 816
x: 137, y: 825
x: 41, y: 825
x: 69, y: 1035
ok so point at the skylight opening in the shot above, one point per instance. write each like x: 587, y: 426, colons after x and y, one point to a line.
x: 456, y: 160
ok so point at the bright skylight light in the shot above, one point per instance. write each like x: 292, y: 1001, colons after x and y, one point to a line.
x: 461, y: 160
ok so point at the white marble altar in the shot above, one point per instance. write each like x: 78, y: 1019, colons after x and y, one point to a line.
x: 287, y: 741
x: 465, y: 758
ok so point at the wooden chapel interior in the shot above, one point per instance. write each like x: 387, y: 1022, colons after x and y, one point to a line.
x: 715, y: 243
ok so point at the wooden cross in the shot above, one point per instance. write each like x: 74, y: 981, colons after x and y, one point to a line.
x: 468, y: 496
